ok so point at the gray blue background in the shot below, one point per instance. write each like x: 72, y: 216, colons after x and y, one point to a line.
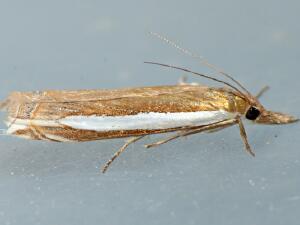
x: 203, y: 179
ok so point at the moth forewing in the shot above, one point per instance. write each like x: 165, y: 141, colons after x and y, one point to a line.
x: 128, y: 112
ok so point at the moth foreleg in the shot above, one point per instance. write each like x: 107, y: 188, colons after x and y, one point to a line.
x: 244, y: 136
x: 193, y: 130
x: 122, y: 149
x: 183, y: 81
x: 225, y: 124
x: 155, y: 144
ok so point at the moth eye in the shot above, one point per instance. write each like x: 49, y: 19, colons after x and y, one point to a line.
x: 252, y: 113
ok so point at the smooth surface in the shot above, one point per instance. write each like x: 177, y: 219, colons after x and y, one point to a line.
x: 203, y: 179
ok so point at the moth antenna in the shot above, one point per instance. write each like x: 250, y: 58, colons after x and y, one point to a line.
x: 198, y: 74
x: 201, y: 59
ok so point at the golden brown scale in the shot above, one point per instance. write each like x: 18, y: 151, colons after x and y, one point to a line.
x: 70, y: 134
x: 53, y: 105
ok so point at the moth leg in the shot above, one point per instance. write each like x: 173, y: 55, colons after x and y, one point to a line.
x: 262, y: 91
x: 214, y: 130
x: 244, y: 137
x: 243, y: 133
x: 183, y: 81
x: 15, y: 119
x: 155, y: 144
x: 219, y: 125
x: 122, y: 149
x: 190, y: 131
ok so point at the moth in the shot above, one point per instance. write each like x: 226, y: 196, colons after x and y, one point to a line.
x: 182, y: 110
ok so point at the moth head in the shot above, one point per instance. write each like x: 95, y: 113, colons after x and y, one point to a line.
x: 258, y: 114
x: 269, y: 117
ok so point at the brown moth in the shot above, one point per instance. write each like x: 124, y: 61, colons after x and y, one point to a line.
x: 87, y: 115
